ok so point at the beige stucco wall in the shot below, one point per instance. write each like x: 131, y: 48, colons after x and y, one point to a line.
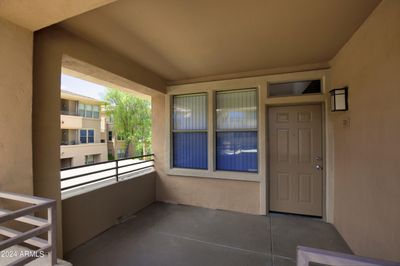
x: 71, y: 122
x: 79, y: 152
x: 367, y: 171
x: 36, y: 14
x: 89, y: 214
x: 79, y: 122
x: 50, y: 47
x: 241, y: 196
x: 243, y: 192
x: 15, y: 108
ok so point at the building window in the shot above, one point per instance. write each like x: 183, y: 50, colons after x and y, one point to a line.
x: 236, y: 130
x: 83, y: 135
x: 86, y: 135
x: 294, y: 88
x: 95, y: 111
x: 81, y: 109
x: 121, y: 153
x: 90, y: 136
x: 89, y: 159
x: 110, y: 119
x: 189, y: 131
x: 110, y: 135
x: 88, y: 110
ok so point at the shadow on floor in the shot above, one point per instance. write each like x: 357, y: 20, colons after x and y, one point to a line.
x: 167, y: 234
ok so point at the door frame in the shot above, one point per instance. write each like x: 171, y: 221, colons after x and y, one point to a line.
x: 324, y: 151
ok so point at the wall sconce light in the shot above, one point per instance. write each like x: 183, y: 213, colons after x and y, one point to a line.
x: 339, y: 99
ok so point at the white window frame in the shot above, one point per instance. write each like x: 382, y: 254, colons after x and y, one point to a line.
x: 216, y: 130
x: 172, y: 131
x: 211, y: 172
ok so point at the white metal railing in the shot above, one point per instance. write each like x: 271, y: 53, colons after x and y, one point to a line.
x: 82, y: 175
x: 305, y: 255
x: 26, y: 215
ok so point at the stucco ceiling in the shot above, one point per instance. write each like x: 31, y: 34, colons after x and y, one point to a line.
x: 180, y: 39
x: 37, y: 14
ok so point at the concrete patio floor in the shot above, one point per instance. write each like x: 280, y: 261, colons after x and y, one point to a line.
x: 167, y: 234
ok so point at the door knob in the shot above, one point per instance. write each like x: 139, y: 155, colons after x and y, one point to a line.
x: 319, y: 167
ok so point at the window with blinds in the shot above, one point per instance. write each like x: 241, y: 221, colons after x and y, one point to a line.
x: 81, y: 109
x: 83, y: 135
x: 189, y: 131
x: 86, y: 135
x: 90, y: 136
x: 96, y: 112
x: 88, y: 110
x: 236, y: 130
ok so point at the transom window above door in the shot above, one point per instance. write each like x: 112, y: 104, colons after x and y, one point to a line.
x: 295, y: 88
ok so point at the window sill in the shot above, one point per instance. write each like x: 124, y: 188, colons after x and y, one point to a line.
x: 228, y: 175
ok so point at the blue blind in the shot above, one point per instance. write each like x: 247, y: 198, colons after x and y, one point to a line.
x: 190, y: 150
x: 82, y: 135
x: 236, y: 137
x: 190, y: 131
x: 90, y: 136
x: 237, y: 151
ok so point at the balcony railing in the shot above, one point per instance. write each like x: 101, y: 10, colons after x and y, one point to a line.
x: 69, y: 142
x: 115, y: 170
x: 31, y: 237
x: 68, y: 112
x: 306, y: 255
x: 74, y: 113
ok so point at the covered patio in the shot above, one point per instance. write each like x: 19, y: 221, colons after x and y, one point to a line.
x: 274, y: 128
x: 169, y: 234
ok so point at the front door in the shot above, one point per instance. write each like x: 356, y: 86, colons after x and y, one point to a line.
x: 295, y: 154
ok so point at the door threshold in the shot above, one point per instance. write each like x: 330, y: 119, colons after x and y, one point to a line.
x: 297, y: 214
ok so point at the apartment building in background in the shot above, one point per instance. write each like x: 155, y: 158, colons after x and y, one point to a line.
x: 115, y: 144
x: 82, y: 133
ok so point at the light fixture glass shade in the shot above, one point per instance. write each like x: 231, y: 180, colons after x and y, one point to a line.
x: 339, y: 99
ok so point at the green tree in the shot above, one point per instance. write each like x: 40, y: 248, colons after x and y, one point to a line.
x: 132, y: 120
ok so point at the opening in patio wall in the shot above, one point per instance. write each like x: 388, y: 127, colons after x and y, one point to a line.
x: 105, y: 134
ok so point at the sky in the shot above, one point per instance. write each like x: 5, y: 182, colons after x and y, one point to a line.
x: 82, y: 87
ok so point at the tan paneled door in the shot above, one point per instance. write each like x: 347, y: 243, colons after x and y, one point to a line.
x: 295, y: 170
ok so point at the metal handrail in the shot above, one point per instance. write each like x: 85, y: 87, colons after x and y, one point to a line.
x: 305, y: 255
x: 126, y: 165
x: 31, y: 237
x: 116, y: 167
x: 68, y: 112
x: 111, y: 161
